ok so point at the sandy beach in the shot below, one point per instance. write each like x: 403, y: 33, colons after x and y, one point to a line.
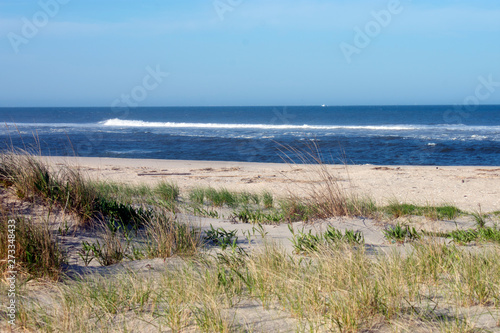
x: 470, y: 188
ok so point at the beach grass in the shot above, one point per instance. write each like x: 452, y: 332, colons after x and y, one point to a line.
x: 332, y: 283
x: 36, y: 253
x: 397, y: 209
x: 334, y: 289
x: 67, y: 188
x: 305, y: 242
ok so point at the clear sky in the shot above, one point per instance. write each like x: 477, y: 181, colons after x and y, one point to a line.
x: 248, y: 52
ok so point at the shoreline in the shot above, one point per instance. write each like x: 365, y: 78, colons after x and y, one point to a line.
x: 466, y: 187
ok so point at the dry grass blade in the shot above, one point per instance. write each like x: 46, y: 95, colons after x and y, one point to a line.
x: 326, y: 196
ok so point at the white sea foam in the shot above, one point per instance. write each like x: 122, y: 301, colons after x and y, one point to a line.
x: 444, y: 130
x: 140, y: 123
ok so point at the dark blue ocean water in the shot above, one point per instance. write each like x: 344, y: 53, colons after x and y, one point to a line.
x: 414, y: 135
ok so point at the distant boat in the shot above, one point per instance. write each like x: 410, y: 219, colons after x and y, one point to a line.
x: 323, y: 105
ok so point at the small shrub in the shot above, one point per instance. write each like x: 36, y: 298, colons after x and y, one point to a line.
x: 219, y: 198
x: 306, y: 242
x: 353, y: 237
x: 110, y: 252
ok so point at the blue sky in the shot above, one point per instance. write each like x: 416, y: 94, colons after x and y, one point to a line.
x: 247, y: 52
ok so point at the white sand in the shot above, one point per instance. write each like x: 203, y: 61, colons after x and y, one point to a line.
x: 464, y: 187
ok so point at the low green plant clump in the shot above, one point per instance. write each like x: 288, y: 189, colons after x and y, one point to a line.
x: 222, y: 197
x: 267, y: 200
x: 440, y: 212
x: 466, y: 236
x: 401, y: 234
x: 307, y: 242
x: 463, y: 236
x: 480, y: 219
x: 221, y: 237
x: 212, y: 213
x: 258, y: 216
x: 294, y: 210
x: 485, y: 234
x: 163, y: 192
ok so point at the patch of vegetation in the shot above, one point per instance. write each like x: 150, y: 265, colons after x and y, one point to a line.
x: 68, y: 189
x: 221, y: 237
x: 466, y: 236
x: 489, y: 234
x: 29, y: 249
x: 164, y: 194
x: 401, y: 233
x: 486, y: 234
x: 480, y: 219
x: 440, y: 212
x: 307, y: 242
x: 166, y: 236
x: 334, y: 289
x: 294, y: 210
x: 124, y: 193
x: 245, y: 198
x: 206, y: 213
x: 258, y: 216
x: 463, y: 236
x: 197, y: 196
x: 267, y: 200
x: 221, y: 197
x: 167, y: 191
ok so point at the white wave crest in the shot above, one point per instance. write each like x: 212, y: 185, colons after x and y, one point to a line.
x: 140, y: 123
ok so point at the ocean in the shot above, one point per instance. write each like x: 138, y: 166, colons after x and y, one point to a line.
x: 379, y: 135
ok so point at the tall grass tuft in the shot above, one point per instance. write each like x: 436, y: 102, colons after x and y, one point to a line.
x: 167, y: 236
x: 37, y: 254
x: 167, y: 191
x: 326, y: 196
x: 67, y: 188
